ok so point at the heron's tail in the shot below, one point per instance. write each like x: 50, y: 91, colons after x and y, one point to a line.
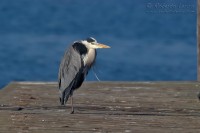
x: 62, y: 99
x: 64, y: 96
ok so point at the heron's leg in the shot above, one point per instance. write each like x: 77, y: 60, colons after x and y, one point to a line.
x: 72, y: 106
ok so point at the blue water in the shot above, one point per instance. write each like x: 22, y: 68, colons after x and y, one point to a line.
x: 150, y: 39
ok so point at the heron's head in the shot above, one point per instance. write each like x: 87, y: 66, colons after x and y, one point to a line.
x: 93, y: 44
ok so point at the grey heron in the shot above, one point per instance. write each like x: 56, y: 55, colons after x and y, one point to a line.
x: 74, y: 67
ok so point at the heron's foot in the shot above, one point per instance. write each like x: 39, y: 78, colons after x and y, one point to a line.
x: 72, y: 112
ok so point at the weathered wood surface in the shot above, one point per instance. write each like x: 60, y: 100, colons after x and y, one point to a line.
x: 198, y: 40
x: 102, y: 107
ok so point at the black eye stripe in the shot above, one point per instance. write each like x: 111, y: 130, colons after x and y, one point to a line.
x: 90, y: 39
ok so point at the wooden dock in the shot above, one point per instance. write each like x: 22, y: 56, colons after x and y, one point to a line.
x: 101, y: 107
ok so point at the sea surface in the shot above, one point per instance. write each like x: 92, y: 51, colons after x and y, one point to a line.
x: 151, y: 40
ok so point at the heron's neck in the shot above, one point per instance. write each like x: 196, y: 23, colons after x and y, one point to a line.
x: 89, y: 57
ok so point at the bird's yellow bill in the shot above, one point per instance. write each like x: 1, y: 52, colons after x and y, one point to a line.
x: 103, y: 46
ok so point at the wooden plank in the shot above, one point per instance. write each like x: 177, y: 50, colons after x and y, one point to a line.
x: 198, y: 40
x: 102, y: 107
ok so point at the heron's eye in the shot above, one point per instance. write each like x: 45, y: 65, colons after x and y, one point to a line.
x: 92, y: 43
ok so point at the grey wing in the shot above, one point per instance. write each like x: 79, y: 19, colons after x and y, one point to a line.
x: 70, y: 66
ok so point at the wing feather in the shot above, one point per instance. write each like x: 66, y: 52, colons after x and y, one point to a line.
x: 70, y: 67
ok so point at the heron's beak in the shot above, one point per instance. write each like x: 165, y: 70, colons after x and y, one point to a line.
x: 102, y: 46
